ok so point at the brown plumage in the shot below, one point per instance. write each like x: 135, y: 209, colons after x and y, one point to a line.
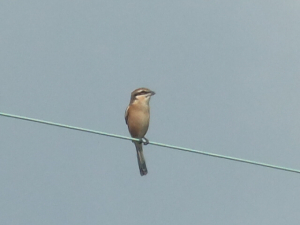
x: 137, y: 118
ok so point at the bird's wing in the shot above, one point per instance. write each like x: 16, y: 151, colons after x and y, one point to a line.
x: 126, y: 114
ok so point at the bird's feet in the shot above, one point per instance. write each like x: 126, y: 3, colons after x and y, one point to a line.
x: 145, y: 141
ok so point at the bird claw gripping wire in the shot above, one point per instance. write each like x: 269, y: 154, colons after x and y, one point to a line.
x: 144, y: 140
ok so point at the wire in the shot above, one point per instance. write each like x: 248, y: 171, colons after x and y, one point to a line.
x: 151, y: 142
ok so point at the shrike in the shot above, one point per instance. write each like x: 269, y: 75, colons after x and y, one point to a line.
x: 137, y: 116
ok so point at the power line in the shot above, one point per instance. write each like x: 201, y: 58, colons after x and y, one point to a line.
x: 150, y: 142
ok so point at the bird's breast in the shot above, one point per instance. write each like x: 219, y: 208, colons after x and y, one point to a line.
x: 138, y: 122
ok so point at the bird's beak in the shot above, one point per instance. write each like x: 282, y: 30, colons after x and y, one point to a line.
x: 152, y: 93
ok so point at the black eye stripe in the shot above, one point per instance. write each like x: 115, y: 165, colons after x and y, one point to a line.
x: 141, y: 93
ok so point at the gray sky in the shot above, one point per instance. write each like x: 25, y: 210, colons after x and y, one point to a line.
x: 226, y: 74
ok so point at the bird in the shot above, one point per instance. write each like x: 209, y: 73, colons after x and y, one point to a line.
x: 137, y: 117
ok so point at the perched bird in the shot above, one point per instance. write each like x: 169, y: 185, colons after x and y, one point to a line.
x: 137, y: 116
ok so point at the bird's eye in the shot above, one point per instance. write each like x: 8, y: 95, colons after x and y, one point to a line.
x: 141, y: 93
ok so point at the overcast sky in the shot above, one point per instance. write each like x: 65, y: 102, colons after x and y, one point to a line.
x: 226, y: 76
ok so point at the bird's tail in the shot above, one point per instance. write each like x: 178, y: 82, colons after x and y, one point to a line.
x: 141, y: 158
